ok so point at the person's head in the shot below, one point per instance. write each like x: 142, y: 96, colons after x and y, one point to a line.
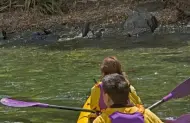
x: 110, y: 65
x: 116, y: 89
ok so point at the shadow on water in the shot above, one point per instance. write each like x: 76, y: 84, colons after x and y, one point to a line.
x: 119, y: 43
x: 122, y: 42
x: 113, y: 41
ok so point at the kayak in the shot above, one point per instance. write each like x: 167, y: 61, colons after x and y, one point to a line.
x: 83, y: 117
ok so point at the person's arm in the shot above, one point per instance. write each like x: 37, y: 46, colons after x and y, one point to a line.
x: 134, y: 98
x: 94, y: 102
x: 150, y: 117
x: 95, y: 95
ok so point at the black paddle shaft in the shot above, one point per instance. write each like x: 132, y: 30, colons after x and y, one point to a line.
x: 71, y: 108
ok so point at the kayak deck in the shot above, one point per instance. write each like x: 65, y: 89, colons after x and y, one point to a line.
x: 83, y: 117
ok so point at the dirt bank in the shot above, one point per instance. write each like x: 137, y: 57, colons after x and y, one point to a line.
x: 99, y: 14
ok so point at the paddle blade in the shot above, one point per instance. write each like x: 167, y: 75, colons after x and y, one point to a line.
x: 182, y: 119
x: 180, y: 91
x: 16, y: 103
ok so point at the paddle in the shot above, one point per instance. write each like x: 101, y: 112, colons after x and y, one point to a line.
x: 180, y: 91
x: 17, y: 103
x: 182, y: 119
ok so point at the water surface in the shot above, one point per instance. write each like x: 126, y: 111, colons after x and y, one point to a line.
x: 63, y: 74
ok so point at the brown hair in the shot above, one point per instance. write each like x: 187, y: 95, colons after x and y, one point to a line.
x: 116, y: 87
x: 112, y: 65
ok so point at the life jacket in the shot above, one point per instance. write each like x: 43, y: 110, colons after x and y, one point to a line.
x: 118, y: 117
x: 102, y: 105
x: 137, y: 117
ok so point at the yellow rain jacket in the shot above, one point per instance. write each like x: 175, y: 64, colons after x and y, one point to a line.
x: 95, y: 95
x: 149, y: 117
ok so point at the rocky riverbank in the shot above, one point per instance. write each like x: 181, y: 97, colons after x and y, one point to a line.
x: 133, y: 18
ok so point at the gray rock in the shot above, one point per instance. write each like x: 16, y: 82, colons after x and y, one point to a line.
x: 4, y: 34
x: 140, y: 22
x: 99, y: 33
x: 188, y: 25
x: 85, y: 29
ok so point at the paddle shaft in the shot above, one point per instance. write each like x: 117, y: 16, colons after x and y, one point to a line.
x: 180, y: 91
x: 17, y: 103
x: 156, y: 104
x: 70, y: 108
x: 83, y: 110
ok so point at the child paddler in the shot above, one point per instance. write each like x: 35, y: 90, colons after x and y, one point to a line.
x: 119, y: 109
x: 109, y: 65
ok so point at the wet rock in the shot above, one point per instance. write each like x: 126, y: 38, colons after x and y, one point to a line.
x: 91, y: 33
x: 140, y: 22
x: 46, y: 31
x: 99, y: 33
x: 37, y: 36
x: 40, y: 35
x: 85, y: 29
x: 95, y: 34
x: 42, y: 38
x: 129, y: 35
x: 188, y: 25
x: 4, y: 34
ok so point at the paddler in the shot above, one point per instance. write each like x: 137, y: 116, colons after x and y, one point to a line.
x: 109, y: 65
x: 119, y: 109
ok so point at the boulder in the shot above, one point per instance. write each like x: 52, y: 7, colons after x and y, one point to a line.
x: 140, y: 22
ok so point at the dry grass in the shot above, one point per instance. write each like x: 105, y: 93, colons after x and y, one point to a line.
x: 23, y: 20
x: 43, y: 6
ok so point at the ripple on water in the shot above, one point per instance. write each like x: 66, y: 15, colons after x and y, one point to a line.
x: 64, y: 77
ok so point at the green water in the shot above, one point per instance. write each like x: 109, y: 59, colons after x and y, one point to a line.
x: 64, y: 77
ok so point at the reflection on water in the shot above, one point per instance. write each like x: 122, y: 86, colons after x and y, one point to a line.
x: 63, y: 74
